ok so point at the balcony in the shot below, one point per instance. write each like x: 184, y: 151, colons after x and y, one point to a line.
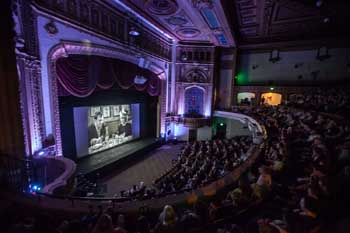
x: 189, y: 121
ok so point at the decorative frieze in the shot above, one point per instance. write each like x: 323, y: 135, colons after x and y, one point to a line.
x: 103, y: 20
x: 190, y: 54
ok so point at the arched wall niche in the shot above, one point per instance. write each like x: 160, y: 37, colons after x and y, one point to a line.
x: 64, y: 49
x: 194, y: 100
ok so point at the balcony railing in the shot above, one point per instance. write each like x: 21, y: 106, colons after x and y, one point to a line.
x: 190, y: 122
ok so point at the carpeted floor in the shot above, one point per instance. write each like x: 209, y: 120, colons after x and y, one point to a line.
x: 146, y: 170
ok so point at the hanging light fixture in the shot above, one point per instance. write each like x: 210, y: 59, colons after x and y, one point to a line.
x: 134, y: 32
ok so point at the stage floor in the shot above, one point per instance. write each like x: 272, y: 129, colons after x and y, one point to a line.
x: 106, y: 161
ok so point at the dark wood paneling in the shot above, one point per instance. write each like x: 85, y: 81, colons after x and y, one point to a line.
x: 11, y: 133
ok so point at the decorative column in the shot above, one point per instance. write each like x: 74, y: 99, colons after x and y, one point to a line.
x: 163, y: 107
x: 29, y: 72
x: 29, y: 75
x: 173, y: 77
x: 227, y: 71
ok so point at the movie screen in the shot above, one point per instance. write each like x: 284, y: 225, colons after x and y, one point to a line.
x: 109, y: 126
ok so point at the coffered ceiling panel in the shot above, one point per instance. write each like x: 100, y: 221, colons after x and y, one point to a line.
x: 262, y: 21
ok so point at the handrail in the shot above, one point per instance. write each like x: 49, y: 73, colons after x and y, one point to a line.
x: 113, y: 199
x: 62, y: 179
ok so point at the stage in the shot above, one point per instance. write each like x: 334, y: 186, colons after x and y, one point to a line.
x: 116, y: 158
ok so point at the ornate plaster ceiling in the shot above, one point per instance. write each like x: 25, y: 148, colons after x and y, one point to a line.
x: 201, y: 21
x: 268, y: 21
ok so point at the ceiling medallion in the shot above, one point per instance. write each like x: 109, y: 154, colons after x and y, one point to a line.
x: 177, y: 20
x: 161, y: 7
x: 51, y: 28
x: 200, y: 4
x: 188, y: 32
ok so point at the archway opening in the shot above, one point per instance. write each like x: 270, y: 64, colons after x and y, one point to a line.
x: 271, y: 98
x: 245, y: 97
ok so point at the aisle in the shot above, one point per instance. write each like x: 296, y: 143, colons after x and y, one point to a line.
x: 146, y: 170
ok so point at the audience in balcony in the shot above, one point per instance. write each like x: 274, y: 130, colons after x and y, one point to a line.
x: 332, y: 100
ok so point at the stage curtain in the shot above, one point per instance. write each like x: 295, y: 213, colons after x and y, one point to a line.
x: 73, y: 75
x: 81, y: 75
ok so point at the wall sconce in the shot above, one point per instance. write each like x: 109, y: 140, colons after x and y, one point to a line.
x: 135, y: 26
x: 274, y: 56
x: 322, y: 53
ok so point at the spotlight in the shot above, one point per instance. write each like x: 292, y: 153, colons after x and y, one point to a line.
x: 41, y: 153
x: 326, y: 20
x: 33, y: 188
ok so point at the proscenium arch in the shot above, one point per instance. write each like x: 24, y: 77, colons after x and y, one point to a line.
x: 66, y: 48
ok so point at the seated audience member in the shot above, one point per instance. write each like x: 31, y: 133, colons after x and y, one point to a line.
x: 167, y: 222
x: 241, y: 196
x: 262, y: 187
x: 105, y: 225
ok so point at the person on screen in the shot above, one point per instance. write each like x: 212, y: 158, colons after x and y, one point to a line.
x: 98, y: 131
x: 124, y: 129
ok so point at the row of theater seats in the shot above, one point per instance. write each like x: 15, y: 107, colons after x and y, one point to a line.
x: 301, y: 183
x: 198, y: 163
x: 85, y: 187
